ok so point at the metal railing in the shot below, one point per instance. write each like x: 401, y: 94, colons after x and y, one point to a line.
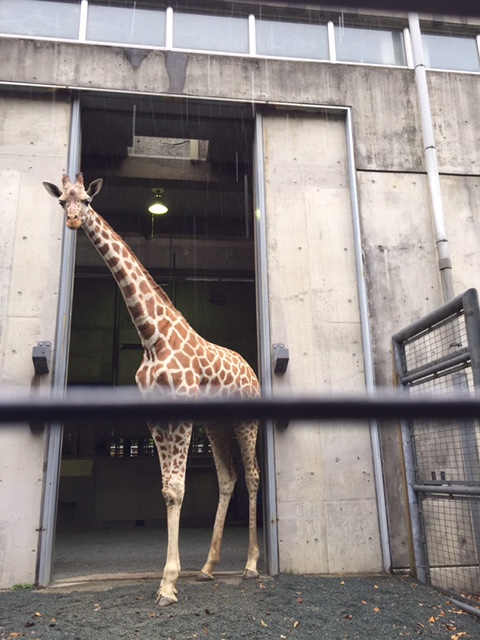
x: 127, y: 403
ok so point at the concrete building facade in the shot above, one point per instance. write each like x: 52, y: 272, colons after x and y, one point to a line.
x: 329, y: 166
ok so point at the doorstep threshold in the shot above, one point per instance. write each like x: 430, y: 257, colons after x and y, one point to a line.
x: 102, y: 578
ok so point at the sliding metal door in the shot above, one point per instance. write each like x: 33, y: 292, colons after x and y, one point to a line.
x: 61, y: 348
x: 269, y: 482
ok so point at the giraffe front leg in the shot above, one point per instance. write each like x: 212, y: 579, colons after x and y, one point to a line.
x: 167, y: 592
x: 172, y: 444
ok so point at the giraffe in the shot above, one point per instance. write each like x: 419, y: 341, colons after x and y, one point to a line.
x: 180, y: 361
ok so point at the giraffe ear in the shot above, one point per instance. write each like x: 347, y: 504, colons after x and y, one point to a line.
x: 52, y: 189
x: 94, y: 187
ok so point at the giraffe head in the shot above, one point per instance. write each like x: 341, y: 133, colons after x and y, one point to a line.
x: 74, y: 199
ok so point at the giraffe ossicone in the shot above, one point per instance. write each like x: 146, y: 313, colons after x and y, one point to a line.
x: 179, y: 360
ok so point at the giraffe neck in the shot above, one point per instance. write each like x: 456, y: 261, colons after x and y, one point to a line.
x: 150, y: 308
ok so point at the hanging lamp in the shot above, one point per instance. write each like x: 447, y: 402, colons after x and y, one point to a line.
x: 157, y: 208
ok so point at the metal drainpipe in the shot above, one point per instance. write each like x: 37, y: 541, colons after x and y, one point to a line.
x: 441, y: 242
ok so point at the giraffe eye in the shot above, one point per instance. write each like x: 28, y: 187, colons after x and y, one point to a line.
x: 61, y: 203
x: 87, y: 201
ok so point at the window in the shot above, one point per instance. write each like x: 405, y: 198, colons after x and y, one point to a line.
x: 210, y: 33
x: 375, y: 46
x: 291, y: 39
x: 450, y: 52
x: 120, y: 447
x: 279, y: 33
x: 49, y: 18
x: 131, y: 24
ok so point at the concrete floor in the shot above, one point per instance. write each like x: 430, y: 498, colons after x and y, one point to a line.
x: 143, y: 550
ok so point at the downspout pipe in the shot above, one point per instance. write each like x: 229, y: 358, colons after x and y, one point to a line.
x: 441, y: 241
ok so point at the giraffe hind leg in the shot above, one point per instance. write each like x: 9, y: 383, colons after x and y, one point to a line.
x: 246, y: 433
x: 221, y: 442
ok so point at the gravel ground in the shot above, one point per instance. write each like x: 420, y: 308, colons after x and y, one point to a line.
x: 288, y: 606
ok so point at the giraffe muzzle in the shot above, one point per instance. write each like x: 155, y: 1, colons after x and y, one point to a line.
x: 74, y: 223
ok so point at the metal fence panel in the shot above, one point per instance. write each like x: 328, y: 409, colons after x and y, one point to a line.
x: 438, y: 357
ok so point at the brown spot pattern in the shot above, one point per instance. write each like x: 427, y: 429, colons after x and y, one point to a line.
x: 113, y: 261
x: 144, y: 287
x: 147, y: 330
x: 150, y: 304
x: 129, y: 290
x: 137, y: 310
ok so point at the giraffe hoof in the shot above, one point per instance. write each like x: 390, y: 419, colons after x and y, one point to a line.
x: 166, y: 601
x: 248, y: 574
x: 203, y: 577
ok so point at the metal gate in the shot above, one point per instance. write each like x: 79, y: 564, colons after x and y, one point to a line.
x: 439, y: 356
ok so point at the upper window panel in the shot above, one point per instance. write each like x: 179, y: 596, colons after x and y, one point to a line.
x: 48, y: 19
x: 450, y: 52
x: 291, y: 39
x: 374, y: 46
x: 128, y: 24
x: 210, y: 33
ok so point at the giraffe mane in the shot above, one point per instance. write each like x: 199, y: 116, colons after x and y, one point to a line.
x: 156, y: 287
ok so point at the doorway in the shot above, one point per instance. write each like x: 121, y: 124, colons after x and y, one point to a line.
x: 202, y: 253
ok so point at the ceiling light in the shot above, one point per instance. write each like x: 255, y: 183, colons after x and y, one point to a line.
x: 157, y: 207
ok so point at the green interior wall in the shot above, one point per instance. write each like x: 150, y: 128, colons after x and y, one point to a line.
x: 97, y: 489
x: 222, y: 312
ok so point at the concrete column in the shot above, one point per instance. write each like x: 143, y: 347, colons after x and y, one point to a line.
x: 33, y: 148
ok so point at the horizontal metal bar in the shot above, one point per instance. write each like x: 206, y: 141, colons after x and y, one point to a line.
x: 441, y: 374
x: 436, y: 367
x: 434, y: 317
x: 450, y: 489
x: 127, y: 403
x: 472, y: 610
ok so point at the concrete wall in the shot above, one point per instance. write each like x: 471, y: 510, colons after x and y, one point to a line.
x: 399, y: 250
x: 326, y: 493
x: 397, y: 235
x: 402, y: 285
x: 33, y: 144
x: 382, y: 144
x: 380, y: 141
